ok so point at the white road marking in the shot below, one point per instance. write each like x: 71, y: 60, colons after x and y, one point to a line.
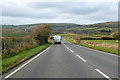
x: 103, y: 74
x: 71, y: 50
x: 80, y: 58
x: 26, y: 63
x: 85, y: 60
x: 67, y: 48
x: 64, y: 44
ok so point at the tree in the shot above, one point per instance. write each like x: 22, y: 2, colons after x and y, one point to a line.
x: 41, y: 33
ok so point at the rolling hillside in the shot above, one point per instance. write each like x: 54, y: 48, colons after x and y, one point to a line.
x: 99, y: 28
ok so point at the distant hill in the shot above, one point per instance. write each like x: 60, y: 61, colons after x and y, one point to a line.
x: 56, y: 27
x: 99, y: 28
x: 105, y: 24
x: 62, y: 27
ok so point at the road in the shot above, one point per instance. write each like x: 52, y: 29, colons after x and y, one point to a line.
x: 68, y: 60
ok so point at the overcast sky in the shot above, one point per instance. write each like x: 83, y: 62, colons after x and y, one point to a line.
x: 60, y: 11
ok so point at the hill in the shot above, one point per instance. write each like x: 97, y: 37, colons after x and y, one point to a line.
x: 98, y: 28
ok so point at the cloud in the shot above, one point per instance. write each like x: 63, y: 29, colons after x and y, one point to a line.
x: 18, y: 10
x: 69, y: 7
x: 76, y: 12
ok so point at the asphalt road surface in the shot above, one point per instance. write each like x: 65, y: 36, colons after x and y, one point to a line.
x: 68, y: 60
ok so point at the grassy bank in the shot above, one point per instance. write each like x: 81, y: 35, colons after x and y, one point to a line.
x: 8, y: 63
x: 110, y: 46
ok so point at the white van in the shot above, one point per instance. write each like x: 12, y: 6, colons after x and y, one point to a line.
x: 57, y: 39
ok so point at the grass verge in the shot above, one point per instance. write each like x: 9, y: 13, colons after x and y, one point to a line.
x: 97, y: 47
x: 11, y: 62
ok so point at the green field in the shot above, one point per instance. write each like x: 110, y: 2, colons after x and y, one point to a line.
x: 103, y: 41
x: 67, y: 35
x: 84, y: 36
x: 14, y: 33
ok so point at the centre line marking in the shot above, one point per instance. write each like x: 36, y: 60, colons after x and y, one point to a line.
x: 26, y: 63
x: 103, y: 74
x: 80, y: 58
x: 67, y: 48
x: 71, y: 50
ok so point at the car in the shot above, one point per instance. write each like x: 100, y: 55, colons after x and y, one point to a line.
x: 57, y: 39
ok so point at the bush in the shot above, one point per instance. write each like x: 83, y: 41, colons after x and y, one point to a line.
x: 13, y: 45
x: 41, y: 33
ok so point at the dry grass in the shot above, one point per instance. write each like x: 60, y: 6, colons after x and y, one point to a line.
x: 104, y: 45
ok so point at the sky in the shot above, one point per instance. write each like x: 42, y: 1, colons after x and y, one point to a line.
x: 20, y: 12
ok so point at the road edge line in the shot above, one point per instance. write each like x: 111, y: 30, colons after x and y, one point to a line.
x: 26, y: 63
